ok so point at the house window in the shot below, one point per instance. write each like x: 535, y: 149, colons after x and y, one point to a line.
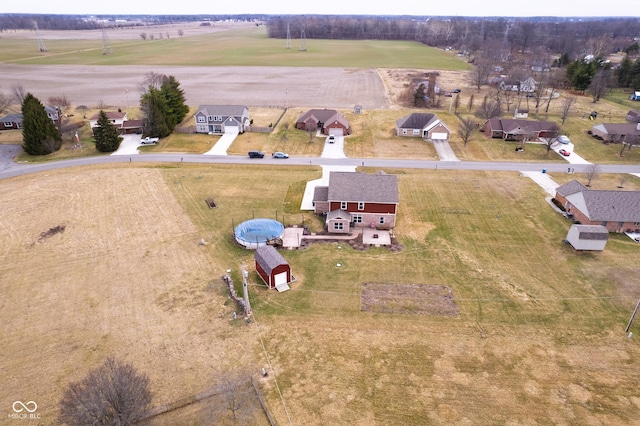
x: 211, y: 118
x: 381, y: 220
x: 219, y: 118
x: 338, y: 226
x: 416, y: 132
x: 404, y: 131
x: 604, y: 223
x: 357, y: 218
x: 343, y: 205
x: 9, y: 124
x: 202, y: 119
x: 360, y: 205
x: 636, y: 223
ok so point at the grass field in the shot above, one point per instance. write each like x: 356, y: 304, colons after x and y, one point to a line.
x: 540, y: 325
x: 243, y: 47
x: 539, y: 338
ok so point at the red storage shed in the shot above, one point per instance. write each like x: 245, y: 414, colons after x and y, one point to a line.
x: 273, y: 268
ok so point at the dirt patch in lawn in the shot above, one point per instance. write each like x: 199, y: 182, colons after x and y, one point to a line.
x: 418, y: 299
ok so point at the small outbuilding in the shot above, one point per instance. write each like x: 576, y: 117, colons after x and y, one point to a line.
x: 588, y: 237
x: 273, y: 268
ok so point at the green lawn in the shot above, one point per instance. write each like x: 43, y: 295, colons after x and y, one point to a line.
x: 248, y: 47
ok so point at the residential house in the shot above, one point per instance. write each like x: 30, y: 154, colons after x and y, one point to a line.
x: 425, y: 125
x: 273, y: 268
x: 617, y: 132
x: 220, y: 119
x: 11, y: 122
x: 357, y: 199
x: 524, y: 86
x: 510, y: 129
x: 120, y: 121
x: 327, y: 121
x: 14, y: 121
x: 617, y: 211
x: 633, y: 116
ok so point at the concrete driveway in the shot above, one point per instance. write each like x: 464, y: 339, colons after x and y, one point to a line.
x: 7, y: 154
x: 445, y: 153
x: 129, y: 145
x: 573, y: 158
x: 333, y: 150
x: 223, y: 144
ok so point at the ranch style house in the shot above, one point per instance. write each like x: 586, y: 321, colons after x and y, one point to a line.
x: 14, y: 121
x: 327, y: 121
x: 617, y: 211
x: 510, y: 129
x: 220, y: 119
x: 617, y: 132
x: 425, y: 125
x: 357, y: 199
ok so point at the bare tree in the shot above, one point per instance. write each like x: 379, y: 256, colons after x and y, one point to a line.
x: 592, y: 171
x: 470, y: 103
x: 5, y: 102
x: 551, y: 139
x: 143, y: 35
x: 456, y: 103
x: 567, y: 104
x: 481, y: 73
x: 600, y: 83
x: 153, y: 80
x: 180, y: 33
x: 628, y: 141
x: 113, y: 394
x: 19, y: 93
x: 311, y: 128
x: 62, y: 105
x: 489, y: 108
x: 83, y: 109
x: 466, y: 129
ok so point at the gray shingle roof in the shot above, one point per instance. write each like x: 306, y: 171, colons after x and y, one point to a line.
x: 232, y: 110
x: 570, y: 188
x: 609, y: 206
x: 269, y: 258
x: 363, y: 187
x: 417, y: 120
x: 321, y: 193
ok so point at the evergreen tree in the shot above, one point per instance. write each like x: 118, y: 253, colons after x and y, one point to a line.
x: 154, y: 105
x: 623, y: 72
x: 175, y: 100
x: 581, y: 72
x: 40, y: 136
x: 105, y: 134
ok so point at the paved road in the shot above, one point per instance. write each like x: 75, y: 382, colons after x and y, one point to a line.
x: 22, y: 169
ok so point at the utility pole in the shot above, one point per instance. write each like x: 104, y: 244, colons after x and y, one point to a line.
x: 635, y: 311
x: 39, y: 37
x: 245, y: 293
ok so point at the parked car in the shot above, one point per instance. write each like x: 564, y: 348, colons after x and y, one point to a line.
x: 256, y: 154
x: 280, y: 155
x: 564, y: 152
x: 564, y: 139
x: 456, y: 91
x: 332, y: 139
x: 149, y: 141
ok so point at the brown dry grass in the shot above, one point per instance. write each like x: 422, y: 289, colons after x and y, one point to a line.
x: 126, y: 278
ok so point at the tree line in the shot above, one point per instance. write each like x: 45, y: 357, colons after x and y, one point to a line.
x: 468, y: 34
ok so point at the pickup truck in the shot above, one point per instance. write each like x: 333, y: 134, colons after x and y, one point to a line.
x: 149, y: 141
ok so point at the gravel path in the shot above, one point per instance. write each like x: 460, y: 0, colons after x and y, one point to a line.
x: 118, y: 86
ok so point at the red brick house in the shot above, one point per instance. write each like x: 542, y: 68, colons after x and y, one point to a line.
x: 357, y: 199
x: 327, y: 121
x: 618, y: 211
x: 425, y: 125
x: 272, y: 267
x: 510, y: 129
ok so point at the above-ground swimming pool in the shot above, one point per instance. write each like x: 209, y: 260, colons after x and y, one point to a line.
x: 256, y: 232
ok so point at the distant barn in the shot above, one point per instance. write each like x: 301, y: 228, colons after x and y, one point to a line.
x: 273, y: 268
x: 588, y: 237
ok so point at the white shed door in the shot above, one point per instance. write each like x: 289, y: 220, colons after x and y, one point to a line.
x: 439, y: 136
x: 281, y: 278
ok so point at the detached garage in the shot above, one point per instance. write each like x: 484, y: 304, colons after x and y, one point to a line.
x: 273, y: 268
x: 588, y: 237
